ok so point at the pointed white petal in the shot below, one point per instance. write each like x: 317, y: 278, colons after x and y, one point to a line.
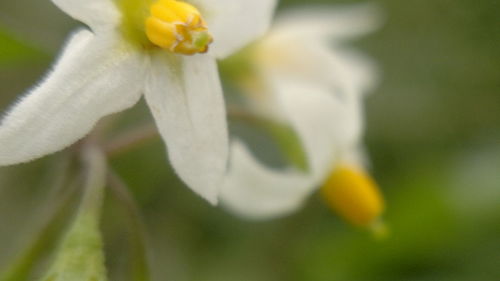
x: 234, y: 24
x: 317, y: 62
x: 98, y: 14
x: 94, y: 77
x: 255, y: 191
x: 358, y: 72
x: 341, y: 22
x: 185, y: 97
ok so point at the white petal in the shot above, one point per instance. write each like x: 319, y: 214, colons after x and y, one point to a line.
x: 358, y: 72
x: 340, y: 22
x: 327, y: 125
x: 93, y: 78
x: 255, y: 191
x: 327, y: 128
x: 317, y: 62
x: 235, y: 23
x: 98, y: 14
x: 185, y: 97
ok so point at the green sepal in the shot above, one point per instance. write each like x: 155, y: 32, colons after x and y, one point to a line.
x: 80, y: 257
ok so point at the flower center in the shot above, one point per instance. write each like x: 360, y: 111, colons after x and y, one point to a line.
x: 177, y: 26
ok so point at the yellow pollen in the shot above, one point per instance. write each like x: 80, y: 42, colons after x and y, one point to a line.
x: 177, y: 26
x: 355, y: 196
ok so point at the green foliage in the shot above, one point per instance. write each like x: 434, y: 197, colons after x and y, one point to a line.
x: 24, y: 265
x: 13, y: 50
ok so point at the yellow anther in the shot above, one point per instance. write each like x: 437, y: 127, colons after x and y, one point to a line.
x: 355, y: 196
x: 178, y: 27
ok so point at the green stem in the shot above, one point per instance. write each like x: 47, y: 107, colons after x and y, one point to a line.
x: 96, y: 181
x: 130, y: 139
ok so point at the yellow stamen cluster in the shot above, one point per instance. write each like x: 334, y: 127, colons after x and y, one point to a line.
x: 355, y: 196
x: 178, y: 27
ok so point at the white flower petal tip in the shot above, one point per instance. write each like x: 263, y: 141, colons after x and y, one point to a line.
x: 341, y: 21
x: 257, y: 192
x: 360, y: 73
x: 212, y: 198
x: 93, y: 78
x: 234, y: 24
x: 97, y: 14
x: 185, y: 97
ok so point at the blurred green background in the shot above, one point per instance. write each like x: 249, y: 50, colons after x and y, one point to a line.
x: 433, y: 135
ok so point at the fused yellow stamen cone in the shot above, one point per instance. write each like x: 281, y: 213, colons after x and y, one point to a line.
x: 354, y: 195
x: 177, y: 26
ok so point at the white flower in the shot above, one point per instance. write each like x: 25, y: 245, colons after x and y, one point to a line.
x: 135, y: 47
x: 316, y: 86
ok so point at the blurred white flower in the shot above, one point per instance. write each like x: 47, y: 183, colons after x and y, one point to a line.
x: 304, y: 75
x: 136, y: 47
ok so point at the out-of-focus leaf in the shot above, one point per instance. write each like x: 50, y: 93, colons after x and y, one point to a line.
x: 23, y: 266
x: 58, y: 200
x: 14, y: 50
